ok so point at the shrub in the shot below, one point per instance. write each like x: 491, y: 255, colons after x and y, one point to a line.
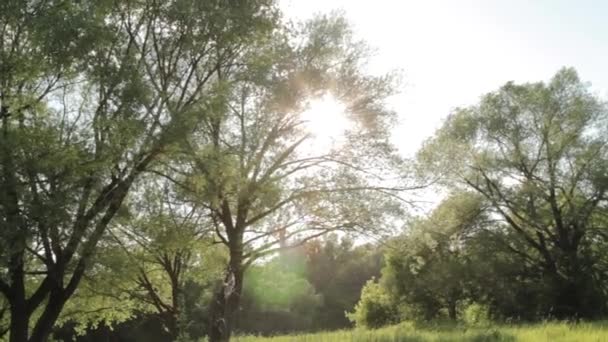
x: 476, y: 314
x: 375, y: 308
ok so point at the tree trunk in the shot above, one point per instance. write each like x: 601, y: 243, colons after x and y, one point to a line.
x: 452, y: 310
x: 19, y: 321
x: 170, y: 320
x: 227, y: 300
x: 52, y: 310
x: 578, y: 298
x: 17, y: 240
x: 576, y: 293
x: 17, y: 300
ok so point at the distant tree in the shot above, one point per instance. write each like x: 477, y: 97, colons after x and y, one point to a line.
x: 289, y: 307
x: 338, y: 270
x: 538, y: 154
x: 428, y: 269
x: 499, y: 281
x: 92, y: 93
x: 314, y: 285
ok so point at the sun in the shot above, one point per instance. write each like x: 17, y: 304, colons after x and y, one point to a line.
x: 325, y: 119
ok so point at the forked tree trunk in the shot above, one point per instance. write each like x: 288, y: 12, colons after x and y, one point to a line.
x: 20, y: 320
x: 45, y: 323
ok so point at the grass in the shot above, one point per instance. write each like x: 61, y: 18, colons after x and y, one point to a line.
x: 407, y: 332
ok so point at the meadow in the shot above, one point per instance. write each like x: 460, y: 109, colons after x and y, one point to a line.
x: 407, y: 332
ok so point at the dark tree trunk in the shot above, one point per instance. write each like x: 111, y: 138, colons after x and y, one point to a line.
x: 17, y: 299
x: 575, y: 293
x: 170, y: 322
x: 578, y: 298
x: 17, y: 241
x: 45, y: 323
x: 19, y: 321
x: 227, y: 300
x: 566, y: 300
x: 452, y: 310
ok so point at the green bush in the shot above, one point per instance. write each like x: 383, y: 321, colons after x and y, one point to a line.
x: 476, y: 314
x: 375, y: 308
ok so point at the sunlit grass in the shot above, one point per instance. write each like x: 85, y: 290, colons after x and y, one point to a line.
x: 560, y: 332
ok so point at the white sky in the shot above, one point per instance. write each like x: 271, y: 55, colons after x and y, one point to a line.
x: 452, y: 52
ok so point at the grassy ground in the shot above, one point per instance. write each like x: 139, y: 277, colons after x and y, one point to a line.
x: 553, y: 332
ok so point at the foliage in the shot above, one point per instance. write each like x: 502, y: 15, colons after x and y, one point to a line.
x: 428, y: 268
x: 248, y: 166
x: 81, y: 121
x: 476, y: 314
x: 376, y: 308
x: 338, y: 270
x: 428, y: 273
x: 313, y: 286
x: 159, y: 262
x: 538, y: 154
x: 156, y: 168
x: 289, y: 305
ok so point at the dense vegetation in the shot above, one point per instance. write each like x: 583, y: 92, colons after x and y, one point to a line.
x: 159, y: 182
x: 522, y: 234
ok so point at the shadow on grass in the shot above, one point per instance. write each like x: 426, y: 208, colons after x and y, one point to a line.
x: 476, y: 337
x: 490, y: 336
x: 453, y: 333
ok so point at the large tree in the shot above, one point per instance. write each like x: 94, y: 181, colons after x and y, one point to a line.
x: 538, y: 153
x: 91, y: 94
x: 251, y: 165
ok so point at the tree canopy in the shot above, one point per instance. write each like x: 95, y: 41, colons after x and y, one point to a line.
x: 160, y: 179
x: 521, y: 235
x: 538, y: 154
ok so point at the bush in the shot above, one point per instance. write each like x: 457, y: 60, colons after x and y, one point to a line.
x: 375, y: 308
x: 476, y: 314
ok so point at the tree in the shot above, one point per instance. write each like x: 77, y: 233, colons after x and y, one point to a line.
x: 91, y: 94
x: 250, y: 168
x: 174, y: 253
x: 156, y: 266
x: 428, y: 269
x: 338, y: 270
x: 538, y: 154
x: 166, y: 257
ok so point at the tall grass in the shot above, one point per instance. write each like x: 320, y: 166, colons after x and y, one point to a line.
x: 407, y: 332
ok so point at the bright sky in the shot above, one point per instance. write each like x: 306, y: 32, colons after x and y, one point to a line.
x: 452, y: 52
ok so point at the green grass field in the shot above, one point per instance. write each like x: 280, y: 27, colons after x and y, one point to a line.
x: 557, y: 332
